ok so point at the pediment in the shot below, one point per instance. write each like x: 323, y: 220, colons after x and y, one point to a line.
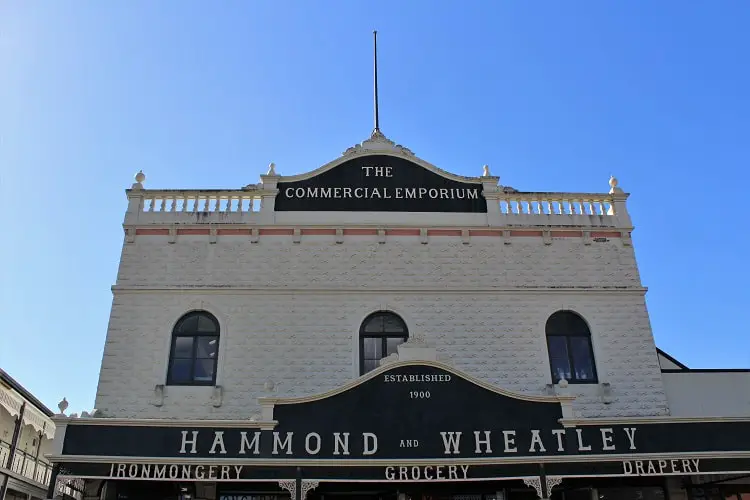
x: 380, y: 175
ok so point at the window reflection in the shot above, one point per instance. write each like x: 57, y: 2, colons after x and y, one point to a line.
x: 571, y: 354
x: 380, y: 335
x: 194, y: 354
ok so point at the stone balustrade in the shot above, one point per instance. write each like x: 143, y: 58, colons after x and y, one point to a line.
x: 255, y: 204
x: 556, y: 204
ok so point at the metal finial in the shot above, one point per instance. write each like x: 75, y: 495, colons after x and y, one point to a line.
x: 375, y: 83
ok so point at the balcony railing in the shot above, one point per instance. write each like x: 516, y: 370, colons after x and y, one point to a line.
x: 26, y: 465
x: 504, y: 208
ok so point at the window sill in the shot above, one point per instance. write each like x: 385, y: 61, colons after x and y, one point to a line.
x: 579, y: 382
x: 210, y: 384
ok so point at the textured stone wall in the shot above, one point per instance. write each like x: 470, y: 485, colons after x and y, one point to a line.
x: 290, y: 315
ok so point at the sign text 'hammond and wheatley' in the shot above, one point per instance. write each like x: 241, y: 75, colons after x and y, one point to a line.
x: 409, y: 412
x: 380, y: 183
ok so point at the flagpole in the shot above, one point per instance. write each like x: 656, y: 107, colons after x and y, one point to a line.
x: 375, y: 86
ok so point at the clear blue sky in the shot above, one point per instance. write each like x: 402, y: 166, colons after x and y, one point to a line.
x: 552, y: 95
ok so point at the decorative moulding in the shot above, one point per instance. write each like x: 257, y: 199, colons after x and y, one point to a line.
x: 158, y: 399
x: 379, y: 144
x: 217, y: 397
x: 536, y: 483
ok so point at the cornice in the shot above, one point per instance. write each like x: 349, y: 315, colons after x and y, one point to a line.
x: 292, y: 462
x: 444, y: 290
x: 574, y: 422
x: 171, y: 422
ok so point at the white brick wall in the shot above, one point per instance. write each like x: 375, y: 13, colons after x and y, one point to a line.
x: 318, y: 262
x: 290, y: 314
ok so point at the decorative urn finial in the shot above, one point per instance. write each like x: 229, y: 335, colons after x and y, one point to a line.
x: 139, y: 178
x: 486, y: 171
x: 271, y: 169
x: 613, y: 182
x: 62, y: 406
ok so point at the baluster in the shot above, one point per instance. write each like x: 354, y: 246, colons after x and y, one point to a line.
x: 151, y: 204
x: 173, y: 208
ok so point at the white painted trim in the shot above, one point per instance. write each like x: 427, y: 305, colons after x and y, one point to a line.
x: 171, y: 422
x: 436, y: 364
x: 368, y: 462
x: 649, y: 420
x: 351, y: 156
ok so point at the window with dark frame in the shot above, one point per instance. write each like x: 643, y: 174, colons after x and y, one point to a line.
x: 571, y: 354
x: 193, y: 356
x: 379, y: 336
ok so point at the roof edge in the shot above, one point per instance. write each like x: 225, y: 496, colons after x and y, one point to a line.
x: 670, y: 358
x: 16, y: 386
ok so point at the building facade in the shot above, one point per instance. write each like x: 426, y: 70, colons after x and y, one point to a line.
x: 26, y: 434
x: 381, y: 328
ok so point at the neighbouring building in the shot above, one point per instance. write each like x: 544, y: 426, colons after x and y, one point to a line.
x: 380, y: 328
x: 26, y: 433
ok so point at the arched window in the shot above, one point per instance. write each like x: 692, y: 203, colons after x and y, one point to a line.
x: 195, y: 349
x: 571, y: 355
x: 379, y: 335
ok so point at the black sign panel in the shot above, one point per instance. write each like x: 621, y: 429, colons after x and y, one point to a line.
x: 457, y: 471
x: 408, y: 412
x: 380, y: 183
